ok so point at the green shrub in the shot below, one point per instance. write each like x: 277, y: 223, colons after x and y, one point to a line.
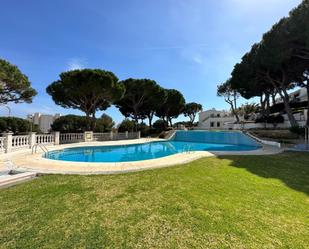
x: 71, y: 124
x: 160, y: 125
x: 278, y: 119
x: 126, y: 125
x: 298, y: 130
x: 76, y: 124
x: 16, y: 125
x: 104, y: 124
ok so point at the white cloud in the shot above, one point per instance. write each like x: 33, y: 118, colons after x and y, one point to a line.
x: 198, y: 59
x: 76, y: 63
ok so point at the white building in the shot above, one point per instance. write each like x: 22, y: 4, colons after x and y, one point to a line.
x: 301, y: 116
x: 44, y: 121
x: 299, y: 95
x: 215, y: 119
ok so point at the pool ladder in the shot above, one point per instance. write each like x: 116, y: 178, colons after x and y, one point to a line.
x: 187, y: 149
x: 41, y: 146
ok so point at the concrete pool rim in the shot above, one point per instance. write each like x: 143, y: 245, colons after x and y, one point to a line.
x: 27, y: 162
x: 44, y: 155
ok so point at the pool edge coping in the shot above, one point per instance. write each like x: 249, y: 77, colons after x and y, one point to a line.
x: 42, y: 165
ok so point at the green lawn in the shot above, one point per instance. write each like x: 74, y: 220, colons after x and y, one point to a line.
x: 229, y: 202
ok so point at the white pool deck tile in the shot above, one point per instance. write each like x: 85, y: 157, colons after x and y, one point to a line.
x: 25, y: 161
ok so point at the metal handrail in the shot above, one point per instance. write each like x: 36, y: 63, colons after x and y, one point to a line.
x: 42, y: 146
x: 187, y: 149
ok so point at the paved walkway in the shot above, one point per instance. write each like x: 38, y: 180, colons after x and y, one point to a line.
x: 25, y: 161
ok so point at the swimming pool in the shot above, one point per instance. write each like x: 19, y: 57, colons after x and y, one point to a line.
x: 183, y: 141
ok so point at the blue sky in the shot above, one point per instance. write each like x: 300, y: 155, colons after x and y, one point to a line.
x: 189, y: 45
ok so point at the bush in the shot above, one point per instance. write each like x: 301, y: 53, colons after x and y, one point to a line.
x: 104, y: 124
x: 278, y: 134
x: 144, y: 129
x: 186, y: 124
x: 279, y: 119
x: 77, y: 124
x: 71, y: 124
x: 126, y: 125
x: 160, y: 125
x: 16, y: 125
x: 275, y: 119
x: 298, y: 130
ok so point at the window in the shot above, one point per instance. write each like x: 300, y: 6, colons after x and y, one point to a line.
x: 218, y: 124
x: 212, y: 115
x: 218, y: 115
x: 212, y: 124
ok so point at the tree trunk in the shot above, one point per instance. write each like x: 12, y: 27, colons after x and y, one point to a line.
x: 135, y: 118
x: 88, y: 121
x: 136, y: 123
x: 93, y: 122
x: 267, y: 109
x: 281, y: 89
x: 150, y: 122
x: 235, y: 109
x: 286, y: 100
x: 262, y: 103
x: 273, y: 98
x: 170, y: 120
x: 150, y: 117
x: 192, y: 121
x: 307, y: 87
x: 234, y: 112
x: 263, y: 110
x: 192, y: 118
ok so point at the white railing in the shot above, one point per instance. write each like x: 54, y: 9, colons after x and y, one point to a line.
x: 9, y: 142
x: 20, y: 141
x: 2, y: 140
x: 71, y: 137
x: 45, y: 139
x: 102, y: 136
x: 133, y: 135
x: 120, y: 136
x: 115, y: 136
x: 125, y: 135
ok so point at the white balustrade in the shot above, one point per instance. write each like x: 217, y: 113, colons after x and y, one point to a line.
x: 2, y: 140
x: 45, y: 139
x: 134, y: 135
x: 102, y: 136
x: 120, y: 136
x: 106, y: 136
x: 71, y: 137
x: 8, y: 142
x: 20, y: 141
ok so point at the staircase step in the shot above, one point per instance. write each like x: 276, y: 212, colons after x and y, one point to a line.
x: 10, y: 180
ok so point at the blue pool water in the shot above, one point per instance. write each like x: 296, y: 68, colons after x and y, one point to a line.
x: 182, y: 142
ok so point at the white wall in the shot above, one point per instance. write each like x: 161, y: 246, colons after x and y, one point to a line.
x: 214, y: 119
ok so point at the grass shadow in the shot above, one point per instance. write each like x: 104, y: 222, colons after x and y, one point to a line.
x: 291, y: 168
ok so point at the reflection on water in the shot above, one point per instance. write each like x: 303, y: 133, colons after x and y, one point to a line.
x: 137, y: 152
